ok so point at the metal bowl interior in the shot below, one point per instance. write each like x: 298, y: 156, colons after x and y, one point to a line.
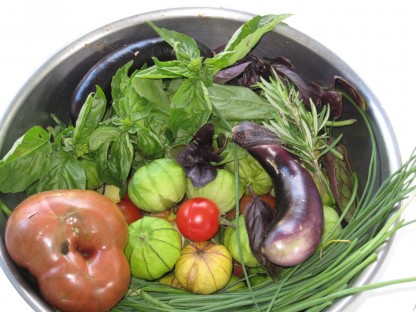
x: 49, y: 90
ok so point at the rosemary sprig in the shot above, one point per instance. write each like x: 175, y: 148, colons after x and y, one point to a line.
x: 301, y: 131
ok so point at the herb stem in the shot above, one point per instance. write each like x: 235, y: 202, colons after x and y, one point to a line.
x: 5, y: 209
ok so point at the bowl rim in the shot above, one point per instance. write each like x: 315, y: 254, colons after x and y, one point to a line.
x: 191, y: 12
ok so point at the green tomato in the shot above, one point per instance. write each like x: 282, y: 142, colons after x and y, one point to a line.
x: 235, y: 284
x: 230, y: 241
x: 258, y: 276
x: 153, y: 247
x: 253, y: 175
x: 331, y: 218
x: 221, y: 190
x: 158, y: 185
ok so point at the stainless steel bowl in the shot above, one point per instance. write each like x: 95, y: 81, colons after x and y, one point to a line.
x: 49, y: 90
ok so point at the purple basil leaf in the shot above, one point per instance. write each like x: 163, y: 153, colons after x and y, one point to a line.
x: 316, y: 92
x: 204, y: 135
x: 349, y: 89
x: 197, y: 156
x: 201, y: 174
x: 249, y: 78
x: 334, y: 100
x: 189, y: 155
x: 340, y: 178
x: 257, y: 217
x: 230, y: 73
x: 280, y: 61
x: 313, y: 91
x: 297, y: 80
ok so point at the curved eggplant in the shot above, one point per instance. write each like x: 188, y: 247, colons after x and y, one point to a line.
x: 102, y: 72
x: 295, y: 231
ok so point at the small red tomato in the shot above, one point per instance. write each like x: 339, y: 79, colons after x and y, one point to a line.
x: 237, y: 269
x: 130, y: 211
x: 198, y: 219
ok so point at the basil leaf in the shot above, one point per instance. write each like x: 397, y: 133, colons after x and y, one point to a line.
x: 244, y: 39
x: 101, y: 136
x: 169, y: 69
x: 148, y: 143
x: 158, y: 122
x: 152, y: 90
x: 91, y: 173
x: 66, y: 173
x: 121, y: 157
x: 153, y: 134
x: 185, y: 68
x: 114, y: 160
x: 89, y: 118
x: 120, y: 82
x: 127, y: 103
x: 27, y: 161
x: 184, y: 46
x: 101, y: 156
x: 189, y: 110
x: 155, y: 72
x: 173, y: 86
x: 250, y: 33
x: 239, y: 103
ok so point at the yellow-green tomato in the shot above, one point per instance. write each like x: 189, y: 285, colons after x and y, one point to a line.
x: 153, y: 247
x: 170, y: 279
x: 231, y: 243
x: 331, y: 218
x: 252, y: 175
x: 221, y: 190
x: 158, y: 185
x: 204, y: 267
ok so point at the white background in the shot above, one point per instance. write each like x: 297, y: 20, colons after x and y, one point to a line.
x: 376, y: 38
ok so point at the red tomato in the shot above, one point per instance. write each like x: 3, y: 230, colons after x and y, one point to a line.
x: 237, y: 268
x: 130, y: 211
x: 72, y: 241
x: 198, y: 219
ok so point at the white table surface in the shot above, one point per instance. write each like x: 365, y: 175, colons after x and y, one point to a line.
x: 376, y: 38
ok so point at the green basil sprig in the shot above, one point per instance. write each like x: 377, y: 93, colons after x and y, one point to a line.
x: 148, y: 115
x: 190, y: 108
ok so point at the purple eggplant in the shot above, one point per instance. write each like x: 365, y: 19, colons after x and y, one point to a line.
x: 101, y: 73
x: 294, y: 232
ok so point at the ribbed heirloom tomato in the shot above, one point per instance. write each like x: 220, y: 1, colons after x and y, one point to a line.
x: 198, y: 219
x: 72, y: 241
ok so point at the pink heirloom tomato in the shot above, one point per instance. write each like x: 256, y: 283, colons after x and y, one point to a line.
x: 72, y: 242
